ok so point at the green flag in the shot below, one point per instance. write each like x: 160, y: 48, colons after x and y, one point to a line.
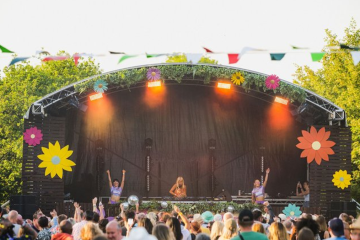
x: 154, y: 55
x: 123, y: 58
x: 296, y: 47
x: 277, y: 56
x: 316, y: 57
x: 5, y: 50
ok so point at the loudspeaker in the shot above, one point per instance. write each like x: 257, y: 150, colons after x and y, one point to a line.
x: 336, y: 208
x: 24, y: 205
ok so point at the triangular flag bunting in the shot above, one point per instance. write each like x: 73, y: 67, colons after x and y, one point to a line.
x: 55, y: 58
x: 154, y: 55
x: 343, y: 46
x: 111, y: 52
x: 295, y: 47
x: 277, y: 56
x: 208, y: 50
x: 193, y: 57
x: 233, y: 58
x: 356, y: 57
x: 76, y: 57
x: 42, y: 52
x: 18, y: 59
x: 5, y: 50
x: 316, y: 57
x: 123, y: 58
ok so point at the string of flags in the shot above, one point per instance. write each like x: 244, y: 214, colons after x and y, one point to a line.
x: 193, y: 57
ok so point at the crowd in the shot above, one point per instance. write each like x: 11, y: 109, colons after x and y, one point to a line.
x: 134, y: 225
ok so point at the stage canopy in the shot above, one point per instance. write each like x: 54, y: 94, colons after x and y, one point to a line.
x: 191, y: 126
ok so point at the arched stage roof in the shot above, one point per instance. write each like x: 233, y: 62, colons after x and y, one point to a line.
x: 305, y: 105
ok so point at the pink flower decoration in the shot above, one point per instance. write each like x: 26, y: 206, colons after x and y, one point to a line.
x: 153, y: 74
x: 33, y: 136
x: 272, y: 82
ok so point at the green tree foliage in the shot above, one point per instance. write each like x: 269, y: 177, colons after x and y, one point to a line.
x: 21, y: 85
x: 182, y: 58
x: 339, y: 81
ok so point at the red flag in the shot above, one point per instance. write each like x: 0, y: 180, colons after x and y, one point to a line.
x: 55, y: 58
x: 208, y: 50
x: 233, y: 58
x: 76, y: 58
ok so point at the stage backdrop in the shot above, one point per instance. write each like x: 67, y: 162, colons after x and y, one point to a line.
x: 180, y: 120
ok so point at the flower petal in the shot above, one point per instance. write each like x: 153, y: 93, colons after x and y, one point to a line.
x: 66, y: 162
x: 49, y: 170
x: 327, y: 144
x: 66, y: 168
x: 44, y: 164
x: 317, y: 158
x: 308, y: 136
x: 59, y: 171
x: 320, y: 134
x: 323, y: 154
x: 328, y: 151
x: 311, y: 156
x: 313, y: 132
x: 305, y: 153
x: 304, y: 145
x: 326, y: 136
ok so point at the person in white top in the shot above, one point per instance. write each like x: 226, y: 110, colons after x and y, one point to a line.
x: 304, y: 191
x: 12, y: 217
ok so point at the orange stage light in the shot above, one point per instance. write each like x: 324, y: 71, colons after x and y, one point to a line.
x: 224, y: 85
x: 281, y: 100
x: 95, y: 96
x: 154, y: 84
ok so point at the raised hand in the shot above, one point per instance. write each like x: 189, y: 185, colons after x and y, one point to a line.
x: 94, y: 201
x: 268, y: 171
x: 107, y: 171
x: 76, y: 205
x: 176, y: 209
x: 123, y: 171
x: 53, y: 213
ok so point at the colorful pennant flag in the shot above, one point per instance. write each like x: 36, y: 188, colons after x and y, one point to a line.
x: 233, y: 58
x: 42, y: 52
x: 123, y: 58
x: 277, y: 56
x: 193, y: 57
x: 55, y: 58
x: 18, y: 59
x: 295, y: 47
x: 154, y: 55
x: 356, y: 57
x: 208, y: 50
x: 343, y: 46
x: 5, y: 50
x: 111, y: 52
x: 316, y: 57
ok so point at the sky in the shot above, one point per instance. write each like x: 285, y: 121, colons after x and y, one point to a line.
x: 166, y: 26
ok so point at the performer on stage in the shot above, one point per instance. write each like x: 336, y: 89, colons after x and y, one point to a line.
x: 304, y: 192
x: 115, y: 189
x: 258, y: 193
x: 179, y: 189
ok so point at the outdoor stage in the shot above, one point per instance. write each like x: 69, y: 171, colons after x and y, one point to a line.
x: 215, y: 138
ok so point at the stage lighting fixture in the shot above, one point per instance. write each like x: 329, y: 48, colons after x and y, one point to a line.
x: 75, y: 102
x: 95, y: 96
x: 154, y: 84
x: 281, y: 100
x: 223, y: 85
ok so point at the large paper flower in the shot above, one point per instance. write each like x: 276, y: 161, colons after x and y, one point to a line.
x: 315, y: 145
x: 341, y: 179
x: 237, y: 78
x: 55, y: 160
x: 292, y: 211
x: 272, y: 82
x: 33, y: 136
x: 100, y: 86
x: 153, y: 74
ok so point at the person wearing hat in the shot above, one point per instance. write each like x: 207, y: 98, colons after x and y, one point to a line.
x: 336, y: 229
x: 198, y: 218
x: 245, y: 222
x: 355, y: 230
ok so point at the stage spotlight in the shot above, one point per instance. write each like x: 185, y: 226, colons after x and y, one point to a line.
x: 75, y: 102
x: 223, y: 85
x: 95, y: 96
x: 281, y: 100
x: 154, y: 84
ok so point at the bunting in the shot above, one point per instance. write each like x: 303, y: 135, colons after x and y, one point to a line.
x: 277, y: 56
x: 208, y: 50
x: 55, y: 58
x: 193, y: 57
x: 18, y: 59
x: 123, y: 58
x: 154, y: 55
x: 316, y: 57
x: 343, y: 46
x: 5, y: 50
x: 233, y: 58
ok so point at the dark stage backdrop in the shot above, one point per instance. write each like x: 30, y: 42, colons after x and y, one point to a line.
x: 180, y: 122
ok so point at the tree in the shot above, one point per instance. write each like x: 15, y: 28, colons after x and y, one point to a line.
x: 339, y: 81
x: 182, y: 58
x: 21, y: 85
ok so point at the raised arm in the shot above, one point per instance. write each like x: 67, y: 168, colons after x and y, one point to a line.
x: 252, y: 197
x: 303, y: 192
x: 172, y: 190
x: 183, y: 218
x: 266, y: 177
x: 109, y: 177
x: 123, y: 179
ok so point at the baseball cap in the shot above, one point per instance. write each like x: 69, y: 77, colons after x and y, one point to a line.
x: 337, y: 227
x: 282, y: 216
x: 246, y: 216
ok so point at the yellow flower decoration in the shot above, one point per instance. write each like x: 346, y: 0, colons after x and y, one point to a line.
x: 237, y: 78
x: 55, y: 159
x: 341, y: 179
